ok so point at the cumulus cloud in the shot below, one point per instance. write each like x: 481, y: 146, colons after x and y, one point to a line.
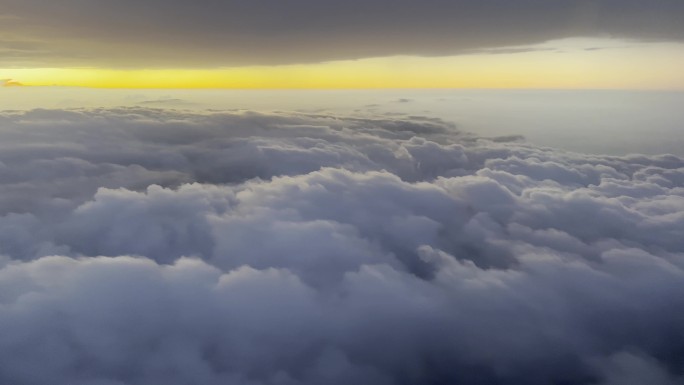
x: 219, y: 33
x: 146, y: 246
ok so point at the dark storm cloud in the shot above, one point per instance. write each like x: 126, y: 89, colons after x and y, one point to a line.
x: 147, y: 246
x: 173, y: 33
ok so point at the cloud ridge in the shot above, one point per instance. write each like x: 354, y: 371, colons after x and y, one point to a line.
x: 145, y: 246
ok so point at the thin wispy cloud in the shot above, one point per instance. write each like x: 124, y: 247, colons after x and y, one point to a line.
x: 9, y: 83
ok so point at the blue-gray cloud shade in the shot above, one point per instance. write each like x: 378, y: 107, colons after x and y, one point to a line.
x: 319, y: 249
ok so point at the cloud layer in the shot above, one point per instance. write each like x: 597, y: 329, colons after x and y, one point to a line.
x: 219, y: 33
x: 147, y: 246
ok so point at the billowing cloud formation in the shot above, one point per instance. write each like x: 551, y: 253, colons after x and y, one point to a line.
x: 144, y: 246
x: 168, y: 33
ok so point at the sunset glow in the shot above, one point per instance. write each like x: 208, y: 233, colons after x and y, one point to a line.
x: 342, y: 192
x: 564, y: 64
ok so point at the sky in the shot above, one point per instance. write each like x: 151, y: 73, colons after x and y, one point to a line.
x: 567, y: 44
x: 155, y: 233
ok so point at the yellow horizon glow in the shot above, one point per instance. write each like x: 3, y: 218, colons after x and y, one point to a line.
x: 646, y: 66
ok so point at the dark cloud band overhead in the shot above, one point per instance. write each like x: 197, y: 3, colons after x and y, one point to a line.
x: 211, y: 33
x: 144, y: 246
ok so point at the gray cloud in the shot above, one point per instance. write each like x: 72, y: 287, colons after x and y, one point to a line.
x: 146, y: 246
x: 214, y: 33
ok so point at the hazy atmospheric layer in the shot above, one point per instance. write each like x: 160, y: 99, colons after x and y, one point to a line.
x: 598, y: 122
x: 150, y: 246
